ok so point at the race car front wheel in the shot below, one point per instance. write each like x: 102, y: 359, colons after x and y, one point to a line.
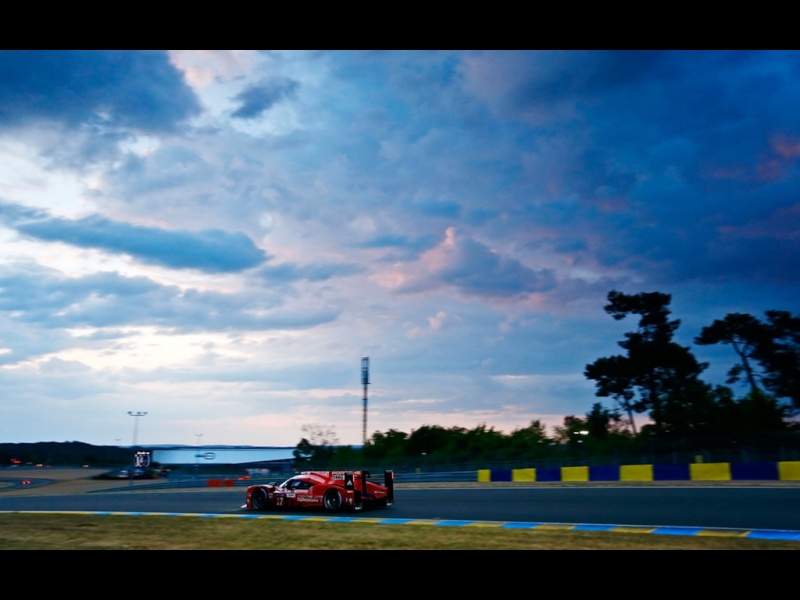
x: 332, y: 500
x: 260, y: 499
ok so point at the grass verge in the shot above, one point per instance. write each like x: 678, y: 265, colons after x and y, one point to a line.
x: 27, y: 531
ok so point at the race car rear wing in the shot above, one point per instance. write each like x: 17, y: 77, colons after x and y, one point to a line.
x: 357, y: 481
x: 388, y: 482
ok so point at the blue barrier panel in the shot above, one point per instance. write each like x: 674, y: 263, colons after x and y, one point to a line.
x: 501, y: 474
x: 548, y: 474
x: 754, y: 471
x: 671, y: 473
x: 603, y: 473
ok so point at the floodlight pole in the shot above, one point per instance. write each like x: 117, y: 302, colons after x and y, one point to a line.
x: 365, y: 382
x: 136, y: 415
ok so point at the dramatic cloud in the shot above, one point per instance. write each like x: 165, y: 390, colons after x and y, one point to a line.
x: 210, y: 250
x: 116, y: 89
x: 259, y: 98
x: 217, y: 237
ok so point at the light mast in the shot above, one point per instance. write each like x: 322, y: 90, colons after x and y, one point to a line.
x: 365, y: 383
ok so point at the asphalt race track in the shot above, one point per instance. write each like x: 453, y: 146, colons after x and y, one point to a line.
x: 758, y: 511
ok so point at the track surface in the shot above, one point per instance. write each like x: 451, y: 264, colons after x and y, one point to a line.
x: 761, y: 510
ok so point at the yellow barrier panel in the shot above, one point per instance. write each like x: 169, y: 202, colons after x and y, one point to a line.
x: 636, y: 473
x: 789, y: 470
x: 523, y: 475
x: 484, y: 475
x: 574, y: 473
x: 710, y: 472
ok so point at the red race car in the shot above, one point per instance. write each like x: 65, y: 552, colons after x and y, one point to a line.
x: 333, y: 491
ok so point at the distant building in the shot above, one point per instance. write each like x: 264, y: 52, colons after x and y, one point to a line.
x: 245, y: 456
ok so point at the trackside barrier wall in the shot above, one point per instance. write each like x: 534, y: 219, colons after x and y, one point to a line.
x: 759, y: 471
x: 219, y: 483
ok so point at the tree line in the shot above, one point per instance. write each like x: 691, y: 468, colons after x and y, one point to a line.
x: 654, y: 377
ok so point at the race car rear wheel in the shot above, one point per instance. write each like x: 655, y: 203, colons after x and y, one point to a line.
x: 260, y: 499
x: 333, y: 500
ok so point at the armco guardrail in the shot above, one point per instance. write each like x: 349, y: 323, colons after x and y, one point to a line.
x: 228, y: 482
x: 761, y: 471
x: 447, y: 476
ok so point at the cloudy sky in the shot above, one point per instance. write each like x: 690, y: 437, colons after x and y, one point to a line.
x: 217, y: 238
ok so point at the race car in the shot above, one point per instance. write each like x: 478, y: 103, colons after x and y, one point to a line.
x: 333, y: 491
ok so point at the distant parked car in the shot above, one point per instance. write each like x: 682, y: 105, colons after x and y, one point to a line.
x: 127, y: 473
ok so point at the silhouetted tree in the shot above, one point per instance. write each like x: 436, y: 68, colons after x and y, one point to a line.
x: 602, y: 422
x: 744, y: 333
x: 427, y: 440
x: 779, y: 355
x: 573, y: 430
x: 534, y: 434
x: 531, y: 442
x: 613, y: 376
x: 656, y: 370
x: 762, y: 413
x: 774, y: 345
x: 320, y: 435
x: 386, y: 445
x: 304, y: 451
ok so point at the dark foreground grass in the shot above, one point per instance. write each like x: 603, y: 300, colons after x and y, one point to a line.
x: 26, y: 531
